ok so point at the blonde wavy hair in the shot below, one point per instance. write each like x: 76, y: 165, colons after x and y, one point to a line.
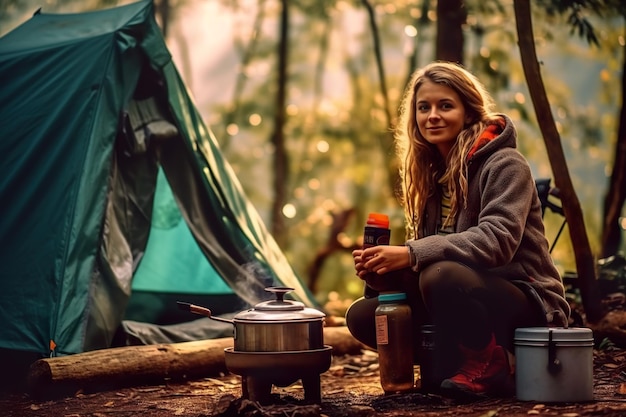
x: 422, y: 167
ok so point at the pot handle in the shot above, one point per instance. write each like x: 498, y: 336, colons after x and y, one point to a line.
x: 554, y: 364
x: 203, y: 311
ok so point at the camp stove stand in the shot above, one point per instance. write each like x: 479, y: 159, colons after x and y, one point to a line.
x: 260, y: 370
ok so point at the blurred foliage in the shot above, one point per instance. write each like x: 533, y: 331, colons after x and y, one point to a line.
x: 336, y: 113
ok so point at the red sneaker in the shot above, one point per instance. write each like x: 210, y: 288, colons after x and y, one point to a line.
x: 483, y: 372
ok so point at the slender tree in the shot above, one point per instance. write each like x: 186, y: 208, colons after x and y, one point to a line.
x: 311, y: 123
x: 281, y: 163
x: 616, y: 195
x: 386, y: 139
x: 451, y: 16
x: 421, y: 23
x: 378, y: 55
x: 585, y: 264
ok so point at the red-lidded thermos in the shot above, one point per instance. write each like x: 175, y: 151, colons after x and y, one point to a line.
x: 376, y: 233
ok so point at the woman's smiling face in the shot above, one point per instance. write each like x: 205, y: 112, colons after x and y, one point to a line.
x: 440, y: 115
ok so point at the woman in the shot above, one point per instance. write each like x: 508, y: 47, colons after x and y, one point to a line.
x: 477, y: 263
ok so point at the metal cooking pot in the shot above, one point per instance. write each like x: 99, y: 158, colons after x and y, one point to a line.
x: 273, y: 326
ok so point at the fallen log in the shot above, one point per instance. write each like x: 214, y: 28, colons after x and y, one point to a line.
x: 342, y: 341
x: 112, y: 368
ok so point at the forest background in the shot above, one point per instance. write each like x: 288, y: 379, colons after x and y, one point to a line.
x: 306, y: 124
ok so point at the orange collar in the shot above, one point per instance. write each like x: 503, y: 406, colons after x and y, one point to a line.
x: 491, y: 132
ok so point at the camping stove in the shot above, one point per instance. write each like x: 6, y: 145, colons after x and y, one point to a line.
x: 260, y: 370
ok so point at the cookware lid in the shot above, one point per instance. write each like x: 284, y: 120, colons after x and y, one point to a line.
x: 280, y: 305
x: 279, y: 316
x: 279, y: 309
x: 559, y: 334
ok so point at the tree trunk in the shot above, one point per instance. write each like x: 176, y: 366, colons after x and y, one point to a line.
x: 451, y: 16
x: 278, y: 137
x: 311, y: 125
x: 386, y: 138
x: 378, y: 55
x: 333, y: 244
x: 421, y: 23
x: 616, y: 195
x: 585, y: 264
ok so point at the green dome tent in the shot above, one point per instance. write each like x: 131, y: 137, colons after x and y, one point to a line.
x: 112, y: 185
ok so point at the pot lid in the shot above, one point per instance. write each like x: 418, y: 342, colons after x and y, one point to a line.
x: 279, y: 309
x: 556, y: 334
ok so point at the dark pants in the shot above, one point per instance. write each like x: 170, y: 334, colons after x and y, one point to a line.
x: 465, y: 306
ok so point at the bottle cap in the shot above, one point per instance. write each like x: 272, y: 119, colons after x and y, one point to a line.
x: 393, y: 296
x: 378, y: 220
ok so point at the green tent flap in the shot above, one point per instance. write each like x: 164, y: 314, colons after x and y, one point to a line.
x: 173, y: 262
x: 96, y: 123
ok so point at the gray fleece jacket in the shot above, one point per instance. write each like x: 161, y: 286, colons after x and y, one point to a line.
x: 501, y: 231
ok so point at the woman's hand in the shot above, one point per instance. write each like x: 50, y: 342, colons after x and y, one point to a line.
x: 380, y: 259
x: 372, y: 263
x: 358, y: 262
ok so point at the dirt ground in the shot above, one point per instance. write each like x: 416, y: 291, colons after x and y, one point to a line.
x: 350, y: 388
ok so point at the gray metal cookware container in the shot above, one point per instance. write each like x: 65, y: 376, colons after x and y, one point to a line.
x: 273, y: 326
x: 554, y: 364
x: 279, y: 325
